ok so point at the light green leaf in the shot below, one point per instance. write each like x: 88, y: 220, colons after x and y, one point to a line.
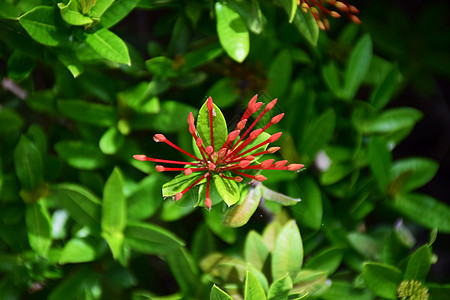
x: 326, y: 260
x: 392, y: 120
x: 77, y: 250
x: 232, y: 32
x: 228, y: 189
x: 111, y: 141
x: 82, y: 205
x: 382, y: 279
x: 271, y: 195
x: 253, y: 289
x: 146, y: 198
x: 214, y: 221
x: 69, y: 59
x: 255, y: 251
x: 279, y: 289
x: 291, y: 8
x: 419, y: 264
x: 218, y: 294
x: 45, y: 26
x: 114, y: 214
x: 151, y: 239
x: 39, y: 228
x: 71, y: 13
x: 86, y: 112
x: 287, y: 255
x: 28, y: 164
x: 109, y: 46
x: 380, y: 160
x: 239, y: 214
x: 419, y: 170
x: 357, y: 67
x: 220, y: 131
x: 81, y: 155
x: 366, y: 245
x: 384, y: 91
x: 307, y: 26
x: 311, y: 283
x: 424, y: 210
x: 179, y: 183
x: 250, y: 14
x: 309, y: 212
x: 117, y: 11
x: 343, y: 290
x: 99, y: 7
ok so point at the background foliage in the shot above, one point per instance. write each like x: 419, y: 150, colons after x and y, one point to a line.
x: 86, y: 84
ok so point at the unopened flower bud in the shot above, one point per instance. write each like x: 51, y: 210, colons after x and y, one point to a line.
x: 140, y: 157
x: 159, y: 138
x: 295, y: 167
x: 260, y: 178
x: 209, y: 149
x: 267, y: 163
x: 244, y: 163
x: 159, y: 168
x: 241, y: 124
x: 275, y: 137
x: 188, y: 171
x: 208, y: 203
x: 272, y: 150
x: 271, y: 104
x: 255, y: 133
x: 277, y: 118
x: 178, y: 196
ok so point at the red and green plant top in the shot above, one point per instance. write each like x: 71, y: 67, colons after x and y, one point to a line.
x: 220, y: 158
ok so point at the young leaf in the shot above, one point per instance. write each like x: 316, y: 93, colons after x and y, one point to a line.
x: 307, y: 26
x: 72, y: 15
x: 114, y: 215
x: 419, y: 264
x: 255, y: 251
x: 228, y: 189
x: 109, y: 46
x: 99, y: 7
x: 279, y: 289
x: 287, y: 255
x: 77, y: 250
x: 270, y: 195
x: 291, y: 8
x: 39, y: 228
x: 232, y: 32
x: 239, y: 214
x: 357, y: 66
x: 253, y: 289
x: 178, y: 184
x: 45, y: 26
x: 218, y: 294
x: 424, y: 210
x: 117, y: 11
x: 380, y: 160
x: 220, y: 131
x: 382, y: 279
x: 28, y: 164
x: 111, y: 141
x: 419, y: 171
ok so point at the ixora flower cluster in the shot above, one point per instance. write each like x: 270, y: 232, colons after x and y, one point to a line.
x: 222, y: 159
x: 320, y: 11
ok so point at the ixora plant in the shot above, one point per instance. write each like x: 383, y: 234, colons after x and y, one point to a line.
x: 223, y: 160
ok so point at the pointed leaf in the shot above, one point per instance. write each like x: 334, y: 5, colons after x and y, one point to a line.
x: 309, y: 213
x: 228, y: 189
x: 420, y: 171
x: 327, y: 260
x: 39, y: 228
x: 382, y: 279
x: 179, y: 184
x: 239, y: 214
x: 86, y: 112
x: 81, y: 155
x: 380, y: 160
x: 117, y: 11
x: 291, y: 8
x: 109, y: 46
x: 111, y: 141
x: 78, y: 250
x: 307, y: 26
x: 218, y: 294
x: 71, y: 13
x: 28, y: 164
x: 253, y: 289
x: 279, y: 289
x: 255, y: 251
x: 383, y: 93
x: 392, y: 120
x: 220, y: 131
x: 419, y: 264
x: 270, y: 195
x: 232, y: 32
x: 287, y: 255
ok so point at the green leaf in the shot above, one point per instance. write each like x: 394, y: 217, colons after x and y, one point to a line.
x: 392, y: 120
x: 19, y: 66
x: 214, y: 221
x: 171, y: 117
x: 70, y: 287
x: 162, y: 66
x: 114, y: 214
x: 291, y: 8
x: 239, y: 214
x: 185, y: 271
x: 279, y: 289
x: 71, y: 14
x: 343, y: 290
x: 224, y: 92
x: 201, y: 56
x: 419, y: 264
x: 86, y: 112
x: 218, y: 294
x: 255, y: 251
x: 307, y: 26
x: 382, y: 279
x: 264, y: 136
x: 117, y: 11
x: 146, y: 198
x: 78, y: 250
x: 365, y: 245
x: 326, y: 260
x: 232, y: 32
x: 270, y: 195
x: 287, y: 255
x: 82, y: 205
x: 419, y: 171
x: 179, y: 184
x: 99, y: 7
x: 109, y: 46
x: 228, y: 189
x: 81, y: 155
x: 357, y: 67
x: 220, y: 131
x: 151, y: 239
x: 309, y: 212
x: 250, y: 14
x: 280, y: 73
x: 380, y: 160
x: 318, y: 134
x: 39, y: 228
x: 28, y: 164
x: 331, y: 77
x: 45, y: 26
x: 253, y: 289
x: 384, y: 91
x: 424, y: 210
x: 111, y: 141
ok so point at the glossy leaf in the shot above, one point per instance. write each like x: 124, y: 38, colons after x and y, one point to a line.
x: 250, y: 14
x: 228, y: 189
x: 220, y: 131
x: 151, y: 239
x: 82, y: 205
x: 99, y: 7
x: 111, y: 141
x: 358, y: 65
x: 255, y: 251
x: 326, y: 260
x: 232, y: 32
x: 218, y: 294
x: 392, y: 120
x: 178, y: 184
x: 419, y: 264
x: 81, y: 155
x: 45, y: 26
x: 380, y: 160
x: 307, y: 26
x: 116, y: 12
x: 424, y: 210
x: 114, y: 214
x: 280, y: 288
x: 86, y: 112
x: 253, y: 289
x: 279, y: 198
x: 291, y: 8
x: 19, y: 66
x: 39, y: 228
x: 287, y: 255
x: 382, y: 279
x: 418, y: 171
x: 71, y: 14
x: 77, y: 250
x: 241, y: 213
x: 28, y: 164
x: 109, y: 46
